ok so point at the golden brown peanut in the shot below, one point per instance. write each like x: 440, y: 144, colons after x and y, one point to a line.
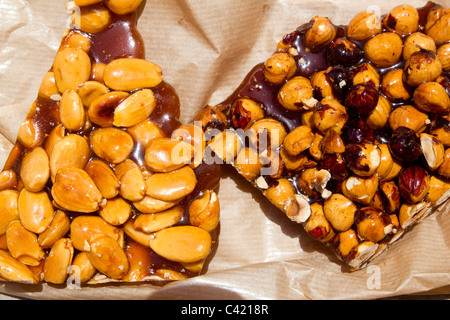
x: 55, y: 135
x: 437, y: 25
x: 77, y: 40
x: 346, y: 241
x: 421, y: 66
x: 444, y: 56
x: 297, y: 94
x: 279, y: 67
x: 122, y: 6
x: 58, y: 261
x: 140, y: 237
x: 403, y: 19
x: 364, y: 25
x: 266, y: 134
x: 83, y: 228
x: 103, y: 177
x: 35, y: 210
x: 48, y: 86
x: 107, y: 256
x: 379, y: 116
x: 182, y: 244
x: 71, y: 111
x: 132, y: 184
x: 135, y: 108
x: 92, y: 19
x: 165, y: 154
x: 408, y: 116
x: 321, y: 33
x: 318, y: 226
x: 72, y: 67
x: 35, y: 170
x: 360, y: 189
x: 432, y: 97
x: 74, y: 190
x: 373, y: 224
x: 116, y: 211
x: 57, y: 229
x: 101, y: 109
x: 8, y: 180
x: 8, y: 208
x: 394, y: 87
x: 91, y: 90
x: 129, y: 74
x: 248, y: 164
x: 384, y: 50
x: 152, y: 205
x: 339, y: 211
x: 204, y: 212
x: 13, y: 270
x: 30, y: 135
x: 144, y: 132
x: 153, y: 222
x: 280, y: 193
x: 298, y: 140
x: 22, y: 244
x: 168, y: 274
x: 139, y: 261
x: 415, y: 42
x: 111, y: 144
x: 173, y: 185
x: 97, y: 71
x: 82, y: 269
x: 71, y: 151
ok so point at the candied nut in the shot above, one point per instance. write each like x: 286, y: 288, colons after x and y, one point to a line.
x: 226, y: 145
x: 321, y: 33
x: 132, y: 184
x: 332, y: 142
x: 48, y: 86
x: 421, y: 66
x: 71, y: 111
x: 366, y: 73
x: 358, y: 131
x: 103, y: 177
x: 92, y: 19
x: 405, y: 145
x: 116, y: 211
x: 30, y: 135
x: 364, y: 25
x: 135, y: 108
x: 279, y: 192
x: 293, y: 163
x: 82, y: 269
x: 339, y: 211
x: 432, y: 97
x: 437, y: 25
x: 343, y: 52
x: 373, y: 224
x: 312, y: 182
x: 23, y: 245
x: 91, y: 90
x: 315, y: 150
x: 139, y: 261
x: 345, y: 241
x: 394, y: 87
x: 8, y: 208
x: 267, y: 134
x: 438, y: 192
x: 74, y: 190
x: 168, y: 274
x: 35, y: 210
x: 363, y: 159
x: 248, y: 164
x: 111, y: 144
x: 297, y: 208
x: 386, y: 161
x: 415, y: 42
x: 212, y: 118
x: 171, y: 186
x: 144, y: 132
x: 441, y: 129
x: 273, y: 165
x: 152, y: 205
x: 85, y: 227
x: 182, y: 243
x: 433, y: 150
x: 298, y: 140
x: 360, y: 189
x: 204, y: 212
x: 384, y: 50
x: 165, y: 154
x: 297, y: 94
x: 35, y: 170
x: 76, y: 40
x: 140, y: 237
x: 55, y: 135
x: 330, y: 114
x: 152, y: 222
x: 13, y: 270
x: 72, y: 67
x: 403, y: 19
x: 362, y: 99
x: 107, y: 256
x: 71, y: 151
x: 361, y: 254
x: 335, y: 164
x: 244, y: 112
x: 279, y: 67
x: 194, y: 135
x: 390, y: 196
x: 57, y: 229
x: 318, y: 226
x: 8, y: 179
x: 444, y: 168
x: 408, y: 116
x: 411, y: 213
x: 101, y: 109
x: 340, y: 79
x: 444, y: 56
x: 414, y: 183
x: 129, y: 74
x: 122, y: 6
x: 58, y: 261
x: 322, y: 87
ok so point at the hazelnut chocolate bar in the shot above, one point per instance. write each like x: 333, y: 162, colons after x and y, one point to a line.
x: 103, y: 182
x: 346, y: 129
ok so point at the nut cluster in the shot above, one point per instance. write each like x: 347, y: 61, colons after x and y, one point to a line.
x: 362, y: 146
x: 95, y: 187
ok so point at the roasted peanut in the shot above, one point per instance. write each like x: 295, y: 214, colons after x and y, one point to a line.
x: 35, y: 210
x: 101, y: 109
x: 82, y: 268
x: 194, y: 135
x: 116, y: 211
x: 139, y: 261
x: 57, y: 229
x: 58, y: 261
x: 35, y: 170
x: 122, y: 6
x: 279, y: 67
x: 77, y: 40
x: 8, y: 208
x: 111, y: 144
x: 364, y: 25
x: 384, y: 50
x: 165, y: 154
x: 153, y: 222
x: 144, y: 132
x: 13, y: 270
x: 152, y: 205
x: 135, y: 108
x: 72, y: 67
x: 91, y: 90
x: 132, y: 184
x: 92, y: 19
x: 8, y: 180
x: 23, y: 245
x: 48, y: 86
x: 103, y: 177
x: 140, y: 237
x: 71, y: 111
x: 297, y: 94
x: 204, y: 212
x: 30, y: 135
x: 173, y: 185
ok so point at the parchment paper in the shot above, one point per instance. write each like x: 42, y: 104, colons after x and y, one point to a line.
x: 205, y: 49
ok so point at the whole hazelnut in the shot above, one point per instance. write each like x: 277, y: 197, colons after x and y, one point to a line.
x: 360, y: 189
x: 340, y: 80
x: 320, y: 34
x: 432, y: 97
x: 373, y: 224
x: 414, y: 183
x: 212, y: 118
x: 293, y: 163
x: 358, y: 131
x: 403, y: 19
x: 362, y: 99
x: 408, y: 116
x: 390, y: 196
x: 297, y: 94
x: 321, y: 85
x: 444, y: 168
x: 279, y: 192
x: 384, y: 50
x: 394, y: 88
x: 421, y: 66
x: 343, y: 52
x: 332, y: 142
x: 364, y: 25
x: 438, y: 191
x: 366, y: 73
x: 279, y: 67
x: 441, y: 129
x: 339, y: 211
x: 386, y: 161
x: 437, y: 25
x: 248, y: 164
x: 362, y: 159
x: 417, y: 41
x: 345, y: 241
x: 317, y: 225
x: 330, y: 114
x: 298, y: 140
x: 405, y: 145
x: 335, y: 164
x: 244, y: 112
x: 379, y: 116
x: 444, y: 56
x: 266, y: 134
